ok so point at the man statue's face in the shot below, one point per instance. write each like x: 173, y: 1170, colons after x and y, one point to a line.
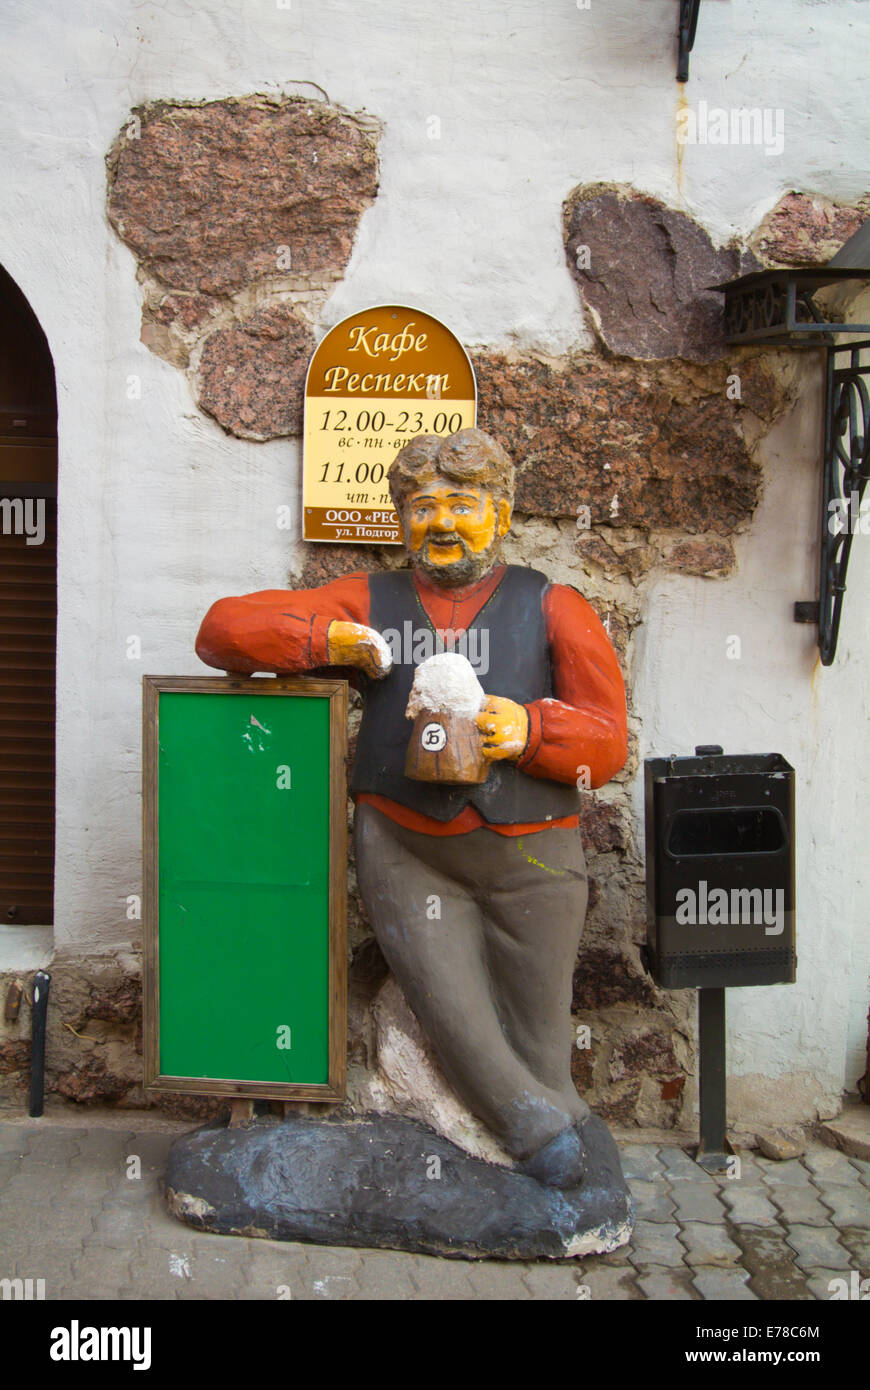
x: 452, y: 531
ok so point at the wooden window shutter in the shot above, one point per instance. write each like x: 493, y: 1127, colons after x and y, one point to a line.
x: 28, y: 621
x: 28, y: 612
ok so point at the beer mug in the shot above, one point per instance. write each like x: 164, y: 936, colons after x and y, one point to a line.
x: 446, y: 747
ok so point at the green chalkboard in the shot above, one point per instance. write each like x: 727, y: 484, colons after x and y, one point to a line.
x: 245, y: 859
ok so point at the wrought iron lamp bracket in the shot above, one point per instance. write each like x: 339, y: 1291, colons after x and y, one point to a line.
x: 776, y: 308
x: 686, y: 36
x: 846, y: 469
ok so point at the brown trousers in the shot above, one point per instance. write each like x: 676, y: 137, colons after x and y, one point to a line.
x: 481, y: 931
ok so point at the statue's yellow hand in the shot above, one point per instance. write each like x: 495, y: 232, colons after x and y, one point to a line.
x: 353, y: 644
x: 505, y: 728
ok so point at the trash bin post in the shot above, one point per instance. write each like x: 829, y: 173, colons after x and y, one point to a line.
x: 711, y: 1079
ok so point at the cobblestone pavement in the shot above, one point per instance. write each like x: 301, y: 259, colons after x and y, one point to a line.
x: 74, y: 1213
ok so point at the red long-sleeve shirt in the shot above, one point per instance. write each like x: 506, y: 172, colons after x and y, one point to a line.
x: 583, y: 726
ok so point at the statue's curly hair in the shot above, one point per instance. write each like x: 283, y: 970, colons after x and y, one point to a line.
x: 469, y: 456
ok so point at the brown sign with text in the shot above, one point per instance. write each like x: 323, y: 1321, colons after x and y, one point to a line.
x: 378, y: 379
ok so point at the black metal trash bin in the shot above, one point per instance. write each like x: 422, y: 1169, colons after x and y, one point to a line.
x: 720, y: 869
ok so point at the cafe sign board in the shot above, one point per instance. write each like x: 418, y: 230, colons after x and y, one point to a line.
x: 378, y: 379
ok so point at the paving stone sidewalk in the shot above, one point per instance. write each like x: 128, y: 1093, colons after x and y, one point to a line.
x: 80, y: 1208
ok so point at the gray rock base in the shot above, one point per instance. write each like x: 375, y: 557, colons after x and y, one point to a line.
x: 374, y: 1181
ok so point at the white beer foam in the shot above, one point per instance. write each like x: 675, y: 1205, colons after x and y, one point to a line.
x: 445, y: 683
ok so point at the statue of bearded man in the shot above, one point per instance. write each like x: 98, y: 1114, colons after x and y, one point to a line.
x: 489, y: 975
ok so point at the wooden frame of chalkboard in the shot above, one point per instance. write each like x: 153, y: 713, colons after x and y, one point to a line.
x: 205, y: 970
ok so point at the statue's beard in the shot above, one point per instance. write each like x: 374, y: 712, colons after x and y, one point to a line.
x: 473, y: 565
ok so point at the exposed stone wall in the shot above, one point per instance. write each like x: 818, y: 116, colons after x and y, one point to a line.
x: 242, y: 216
x: 93, y: 1038
x: 656, y: 447
x: 644, y: 272
x: 805, y: 229
x: 655, y: 432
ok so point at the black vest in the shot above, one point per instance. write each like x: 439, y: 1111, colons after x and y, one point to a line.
x: 513, y: 621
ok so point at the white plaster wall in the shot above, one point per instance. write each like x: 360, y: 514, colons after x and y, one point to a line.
x: 160, y: 512
x: 777, y: 697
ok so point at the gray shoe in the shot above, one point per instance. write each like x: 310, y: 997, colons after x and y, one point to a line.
x: 561, y: 1162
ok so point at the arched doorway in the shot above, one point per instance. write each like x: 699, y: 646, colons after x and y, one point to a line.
x: 28, y: 612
